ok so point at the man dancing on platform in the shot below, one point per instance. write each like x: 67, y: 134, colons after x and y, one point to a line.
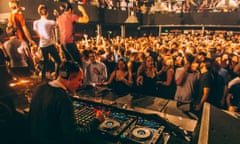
x: 65, y: 23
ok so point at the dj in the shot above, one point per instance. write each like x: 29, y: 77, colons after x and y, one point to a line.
x: 52, y: 119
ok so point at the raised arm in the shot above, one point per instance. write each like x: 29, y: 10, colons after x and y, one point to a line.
x: 84, y: 18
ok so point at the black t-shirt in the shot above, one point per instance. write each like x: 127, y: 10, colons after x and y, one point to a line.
x: 215, y: 83
x: 217, y: 90
x: 111, y: 65
x: 119, y: 87
x: 235, y: 91
x: 149, y: 85
x: 205, y: 81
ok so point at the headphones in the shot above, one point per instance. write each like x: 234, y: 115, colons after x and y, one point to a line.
x: 68, y: 67
x: 64, y: 74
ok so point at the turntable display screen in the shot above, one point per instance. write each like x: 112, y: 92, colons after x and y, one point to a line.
x: 77, y: 104
x: 120, y: 116
x: 148, y: 123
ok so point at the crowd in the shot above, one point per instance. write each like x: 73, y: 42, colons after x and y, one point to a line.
x: 191, y: 68
x: 175, y: 6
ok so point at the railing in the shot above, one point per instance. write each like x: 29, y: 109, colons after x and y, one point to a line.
x: 162, y: 28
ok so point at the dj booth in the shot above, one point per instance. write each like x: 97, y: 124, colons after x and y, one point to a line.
x: 134, y: 119
x: 129, y: 119
x: 141, y: 119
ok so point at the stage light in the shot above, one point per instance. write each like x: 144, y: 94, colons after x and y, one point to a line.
x: 131, y: 18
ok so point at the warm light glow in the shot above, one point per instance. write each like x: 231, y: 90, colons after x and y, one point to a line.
x: 20, y: 82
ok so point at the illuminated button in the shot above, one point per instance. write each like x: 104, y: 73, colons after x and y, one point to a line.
x: 122, y: 136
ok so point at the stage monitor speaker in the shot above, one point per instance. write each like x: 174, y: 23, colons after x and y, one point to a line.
x: 219, y: 126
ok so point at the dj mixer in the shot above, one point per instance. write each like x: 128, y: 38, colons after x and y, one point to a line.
x: 127, y: 127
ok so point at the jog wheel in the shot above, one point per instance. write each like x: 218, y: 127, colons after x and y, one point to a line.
x: 110, y: 124
x: 141, y: 133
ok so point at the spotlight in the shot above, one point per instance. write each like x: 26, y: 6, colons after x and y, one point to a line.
x: 131, y: 18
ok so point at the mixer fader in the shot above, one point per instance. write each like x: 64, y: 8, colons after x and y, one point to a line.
x: 84, y: 114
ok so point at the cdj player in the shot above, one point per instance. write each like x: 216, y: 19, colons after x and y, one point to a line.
x: 115, y: 124
x: 144, y: 131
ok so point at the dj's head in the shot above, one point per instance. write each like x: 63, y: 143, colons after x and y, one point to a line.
x: 69, y: 68
x: 71, y: 75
